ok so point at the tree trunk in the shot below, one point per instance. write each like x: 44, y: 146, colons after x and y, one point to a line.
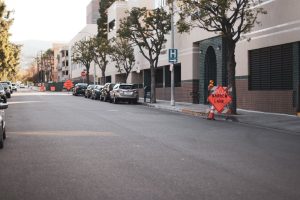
x: 231, y: 64
x: 127, y: 74
x: 153, y: 92
x: 88, y: 75
x: 103, y: 77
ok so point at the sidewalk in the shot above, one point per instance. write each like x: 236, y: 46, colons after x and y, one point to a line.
x: 274, y: 121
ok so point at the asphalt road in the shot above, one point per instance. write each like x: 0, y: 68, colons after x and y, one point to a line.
x: 71, y: 148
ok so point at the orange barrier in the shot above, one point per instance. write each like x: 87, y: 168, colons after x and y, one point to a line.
x: 42, y: 88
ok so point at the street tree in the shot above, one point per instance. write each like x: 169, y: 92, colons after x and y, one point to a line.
x: 101, y: 43
x: 48, y: 64
x: 100, y: 54
x: 123, y: 55
x: 13, y: 61
x: 82, y: 54
x: 229, y: 18
x: 147, y: 30
x: 9, y: 52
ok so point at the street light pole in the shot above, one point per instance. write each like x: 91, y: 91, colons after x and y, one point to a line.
x: 172, y: 46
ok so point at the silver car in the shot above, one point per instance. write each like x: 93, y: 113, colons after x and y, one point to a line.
x: 124, y: 92
x: 2, y: 122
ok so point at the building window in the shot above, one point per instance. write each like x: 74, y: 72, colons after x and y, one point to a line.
x: 112, y: 25
x: 159, y: 80
x: 67, y: 63
x: 177, y: 75
x: 271, y: 68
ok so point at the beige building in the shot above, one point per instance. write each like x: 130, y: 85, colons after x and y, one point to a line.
x: 92, y: 12
x: 267, y: 73
x: 57, y: 65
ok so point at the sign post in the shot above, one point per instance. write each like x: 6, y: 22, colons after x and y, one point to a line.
x: 68, y: 84
x: 173, y: 56
x: 219, y: 99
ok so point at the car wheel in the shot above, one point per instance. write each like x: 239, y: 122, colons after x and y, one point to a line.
x: 1, y: 142
x: 4, y: 134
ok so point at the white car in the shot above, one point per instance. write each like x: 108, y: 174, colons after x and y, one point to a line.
x: 14, y: 86
x: 22, y: 85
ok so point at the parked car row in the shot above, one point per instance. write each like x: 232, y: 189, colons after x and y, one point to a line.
x: 6, y: 89
x: 110, y: 92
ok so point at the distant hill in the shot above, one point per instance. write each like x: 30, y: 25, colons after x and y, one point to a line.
x: 30, y: 49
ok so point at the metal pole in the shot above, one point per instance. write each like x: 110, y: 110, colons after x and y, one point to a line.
x: 172, y: 46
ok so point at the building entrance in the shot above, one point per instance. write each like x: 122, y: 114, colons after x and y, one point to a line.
x: 210, y: 63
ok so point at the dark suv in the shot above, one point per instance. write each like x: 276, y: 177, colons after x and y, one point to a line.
x: 105, y: 92
x: 79, y: 89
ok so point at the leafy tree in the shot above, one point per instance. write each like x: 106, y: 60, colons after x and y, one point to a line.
x: 13, y: 61
x: 82, y: 53
x: 229, y: 18
x: 48, y: 62
x: 9, y: 52
x: 102, y: 20
x: 100, y: 54
x: 123, y: 55
x: 147, y: 30
x: 101, y: 42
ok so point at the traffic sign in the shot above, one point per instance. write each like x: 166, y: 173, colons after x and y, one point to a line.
x: 68, y: 84
x: 219, y: 98
x: 173, y: 55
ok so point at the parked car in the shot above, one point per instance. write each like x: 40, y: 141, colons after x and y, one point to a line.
x: 14, y: 87
x: 96, y: 92
x: 3, y: 97
x: 2, y: 124
x: 6, y: 89
x: 88, y: 91
x: 105, y: 92
x: 22, y: 85
x: 79, y: 89
x: 124, y: 92
x: 9, y: 85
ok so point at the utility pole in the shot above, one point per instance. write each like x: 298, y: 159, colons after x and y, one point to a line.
x: 172, y: 46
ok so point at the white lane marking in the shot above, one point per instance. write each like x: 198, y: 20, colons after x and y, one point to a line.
x: 64, y: 133
x: 20, y: 102
x: 42, y: 94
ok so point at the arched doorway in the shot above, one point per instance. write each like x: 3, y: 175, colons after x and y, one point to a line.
x: 210, y: 63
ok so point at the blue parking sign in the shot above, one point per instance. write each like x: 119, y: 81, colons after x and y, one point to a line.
x: 173, y: 55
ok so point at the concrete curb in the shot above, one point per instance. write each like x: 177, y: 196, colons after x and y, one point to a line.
x: 190, y: 112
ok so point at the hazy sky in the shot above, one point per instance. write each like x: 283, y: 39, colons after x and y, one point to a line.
x: 50, y: 20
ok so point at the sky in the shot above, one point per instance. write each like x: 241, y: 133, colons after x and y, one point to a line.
x: 47, y: 20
